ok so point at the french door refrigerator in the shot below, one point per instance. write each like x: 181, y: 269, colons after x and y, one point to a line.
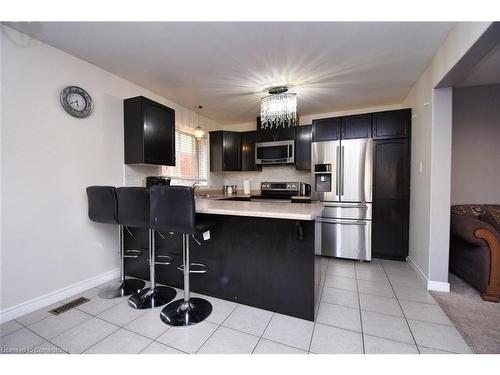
x: 342, y: 180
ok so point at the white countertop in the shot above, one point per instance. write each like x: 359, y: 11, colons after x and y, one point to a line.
x: 293, y: 211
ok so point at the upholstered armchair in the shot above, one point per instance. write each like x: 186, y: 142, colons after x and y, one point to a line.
x: 475, y: 247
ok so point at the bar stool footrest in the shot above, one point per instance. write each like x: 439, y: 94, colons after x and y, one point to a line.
x: 195, y: 268
x: 168, y: 260
x: 132, y: 253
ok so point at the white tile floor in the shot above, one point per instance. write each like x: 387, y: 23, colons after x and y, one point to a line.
x: 377, y: 307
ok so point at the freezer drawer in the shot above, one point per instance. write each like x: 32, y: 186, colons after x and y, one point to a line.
x: 343, y: 238
x: 337, y: 210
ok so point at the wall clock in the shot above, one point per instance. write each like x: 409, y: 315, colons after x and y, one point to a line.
x: 76, y: 101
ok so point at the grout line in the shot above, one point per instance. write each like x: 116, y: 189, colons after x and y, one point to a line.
x: 45, y: 339
x: 159, y: 342
x: 404, y: 315
x: 215, y: 330
x: 104, y: 338
x: 360, y: 315
x: 445, y: 351
x: 317, y: 312
x: 116, y: 325
x: 17, y: 329
x: 263, y: 331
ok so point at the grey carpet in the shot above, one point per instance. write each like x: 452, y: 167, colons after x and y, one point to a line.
x: 478, y: 321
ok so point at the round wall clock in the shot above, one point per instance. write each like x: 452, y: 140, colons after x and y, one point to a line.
x: 76, y: 101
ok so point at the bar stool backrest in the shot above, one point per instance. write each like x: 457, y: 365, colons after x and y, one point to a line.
x: 103, y: 206
x: 133, y: 206
x: 172, y: 209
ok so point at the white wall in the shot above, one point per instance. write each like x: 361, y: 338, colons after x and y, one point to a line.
x: 476, y: 148
x: 47, y: 160
x: 430, y: 196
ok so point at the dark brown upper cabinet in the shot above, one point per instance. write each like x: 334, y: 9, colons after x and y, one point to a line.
x: 392, y: 124
x: 303, y: 138
x: 149, y: 132
x: 225, y: 151
x: 326, y: 129
x: 392, y: 168
x: 357, y: 126
x: 274, y: 134
x: 248, y: 140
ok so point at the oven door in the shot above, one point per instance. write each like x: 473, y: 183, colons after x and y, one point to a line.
x: 343, y: 238
x: 281, y: 152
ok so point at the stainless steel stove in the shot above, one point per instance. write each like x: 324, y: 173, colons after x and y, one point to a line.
x: 277, y: 192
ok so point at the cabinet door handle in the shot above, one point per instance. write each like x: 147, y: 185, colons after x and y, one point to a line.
x: 343, y: 222
x: 342, y: 171
x: 338, y: 172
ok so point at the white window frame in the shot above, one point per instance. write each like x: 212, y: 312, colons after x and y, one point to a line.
x: 202, y: 180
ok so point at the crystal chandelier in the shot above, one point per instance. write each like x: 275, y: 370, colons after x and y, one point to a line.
x: 278, y: 109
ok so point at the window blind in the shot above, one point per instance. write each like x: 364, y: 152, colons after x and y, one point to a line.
x: 191, y: 157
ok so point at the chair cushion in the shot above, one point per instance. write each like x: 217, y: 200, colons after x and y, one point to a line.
x: 173, y: 209
x: 102, y: 204
x: 469, y: 210
x: 133, y: 206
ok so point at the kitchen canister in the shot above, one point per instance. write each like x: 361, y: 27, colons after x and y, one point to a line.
x: 246, y: 187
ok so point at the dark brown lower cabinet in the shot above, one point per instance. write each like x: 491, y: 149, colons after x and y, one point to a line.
x: 390, y: 229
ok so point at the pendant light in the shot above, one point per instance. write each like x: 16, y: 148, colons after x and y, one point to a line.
x: 278, y: 109
x: 199, y: 133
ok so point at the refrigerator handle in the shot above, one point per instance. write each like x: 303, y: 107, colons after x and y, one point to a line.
x: 342, y: 171
x: 337, y: 175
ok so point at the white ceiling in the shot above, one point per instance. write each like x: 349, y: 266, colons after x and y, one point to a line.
x: 486, y: 72
x: 226, y: 67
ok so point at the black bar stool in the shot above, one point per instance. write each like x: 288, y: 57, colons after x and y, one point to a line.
x: 173, y: 210
x: 133, y: 212
x: 103, y: 208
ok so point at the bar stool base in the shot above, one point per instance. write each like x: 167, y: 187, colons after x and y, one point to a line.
x: 181, y: 313
x: 121, y: 289
x: 147, y: 299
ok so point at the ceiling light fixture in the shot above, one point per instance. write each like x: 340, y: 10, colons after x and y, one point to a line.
x: 278, y: 109
x: 199, y: 133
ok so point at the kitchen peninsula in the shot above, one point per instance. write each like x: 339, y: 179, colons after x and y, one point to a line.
x: 261, y: 246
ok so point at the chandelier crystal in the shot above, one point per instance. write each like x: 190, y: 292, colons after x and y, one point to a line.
x: 279, y: 109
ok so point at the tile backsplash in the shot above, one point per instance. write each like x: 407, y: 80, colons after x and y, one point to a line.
x: 269, y: 173
x: 135, y: 176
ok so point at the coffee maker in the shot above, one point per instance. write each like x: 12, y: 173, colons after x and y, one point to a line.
x: 157, y: 180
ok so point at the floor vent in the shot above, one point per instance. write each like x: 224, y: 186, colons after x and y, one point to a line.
x: 68, y: 306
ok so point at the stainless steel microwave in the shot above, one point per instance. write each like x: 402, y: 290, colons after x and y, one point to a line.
x: 279, y: 152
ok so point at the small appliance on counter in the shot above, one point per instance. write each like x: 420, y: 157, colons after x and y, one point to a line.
x: 157, y: 180
x: 230, y: 189
x: 246, y: 187
x: 305, y: 189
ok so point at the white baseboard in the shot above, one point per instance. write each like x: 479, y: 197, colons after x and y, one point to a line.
x: 53, y: 297
x: 438, y: 286
x: 417, y: 269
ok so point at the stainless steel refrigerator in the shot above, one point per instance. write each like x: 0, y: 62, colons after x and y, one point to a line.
x: 343, y: 181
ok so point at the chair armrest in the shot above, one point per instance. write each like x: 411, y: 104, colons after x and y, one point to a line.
x: 492, y: 292
x: 465, y: 228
